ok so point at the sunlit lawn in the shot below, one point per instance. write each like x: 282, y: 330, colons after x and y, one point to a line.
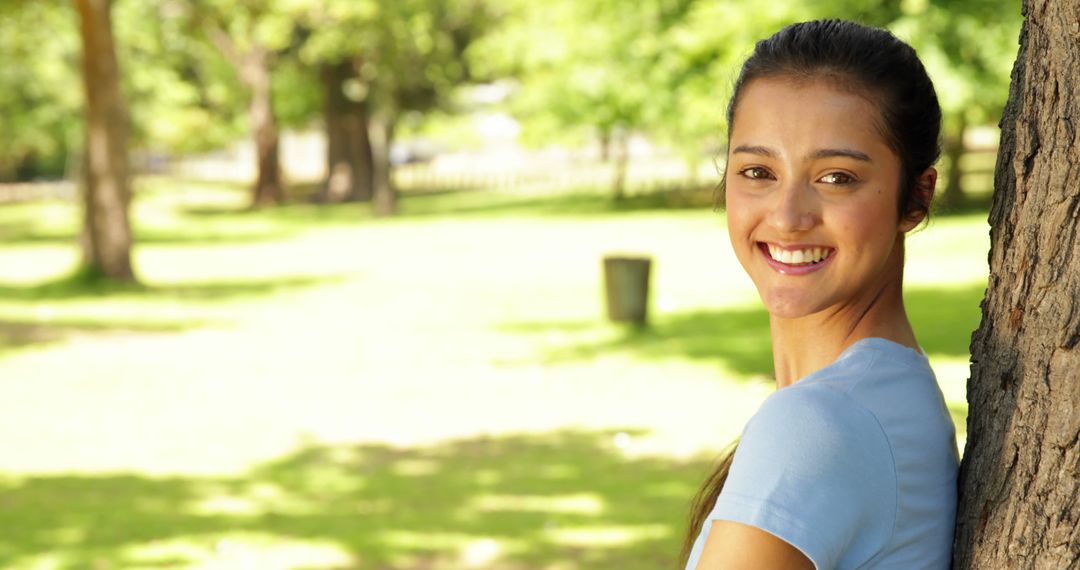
x: 310, y: 387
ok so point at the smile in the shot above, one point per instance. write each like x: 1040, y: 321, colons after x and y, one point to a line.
x: 798, y: 260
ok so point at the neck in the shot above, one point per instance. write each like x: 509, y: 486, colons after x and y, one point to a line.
x: 807, y: 344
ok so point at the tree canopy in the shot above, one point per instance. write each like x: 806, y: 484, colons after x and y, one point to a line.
x: 601, y: 68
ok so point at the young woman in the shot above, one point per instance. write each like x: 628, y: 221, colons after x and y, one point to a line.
x: 852, y: 462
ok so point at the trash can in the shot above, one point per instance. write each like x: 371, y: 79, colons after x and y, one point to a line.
x: 626, y: 284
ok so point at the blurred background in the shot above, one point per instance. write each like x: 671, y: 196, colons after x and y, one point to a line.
x: 318, y: 284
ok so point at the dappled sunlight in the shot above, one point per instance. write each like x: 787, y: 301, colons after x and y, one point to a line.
x: 237, y: 551
x: 578, y: 504
x: 315, y: 397
x: 606, y: 536
x: 288, y: 513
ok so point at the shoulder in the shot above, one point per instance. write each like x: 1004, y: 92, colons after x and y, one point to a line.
x: 818, y: 414
x: 814, y: 435
x: 814, y: 468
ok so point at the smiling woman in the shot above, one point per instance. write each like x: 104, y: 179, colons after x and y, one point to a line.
x: 852, y: 462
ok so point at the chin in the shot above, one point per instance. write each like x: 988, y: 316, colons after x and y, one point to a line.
x: 785, y: 307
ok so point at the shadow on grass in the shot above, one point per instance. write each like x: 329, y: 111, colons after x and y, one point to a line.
x: 738, y: 338
x: 19, y: 334
x: 59, y: 325
x: 72, y: 288
x: 237, y: 230
x: 569, y: 497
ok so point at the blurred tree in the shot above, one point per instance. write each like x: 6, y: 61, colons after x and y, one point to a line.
x: 583, y: 69
x: 107, y: 192
x: 609, y: 69
x: 250, y: 34
x: 349, y: 160
x: 665, y: 67
x: 340, y: 36
x: 379, y: 60
x: 39, y: 95
x: 968, y: 47
x: 183, y: 95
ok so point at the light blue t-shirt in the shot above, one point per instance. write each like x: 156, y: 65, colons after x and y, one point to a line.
x: 855, y: 465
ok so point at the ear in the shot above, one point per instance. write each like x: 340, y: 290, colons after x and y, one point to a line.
x: 925, y: 185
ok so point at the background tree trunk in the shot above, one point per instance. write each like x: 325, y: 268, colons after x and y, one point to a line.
x: 1020, y: 477
x: 622, y: 161
x: 954, y: 151
x: 338, y: 169
x: 106, y: 238
x: 269, y: 188
x: 348, y: 150
x: 381, y: 131
x: 361, y: 159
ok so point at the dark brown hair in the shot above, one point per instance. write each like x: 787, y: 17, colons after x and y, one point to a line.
x: 867, y: 61
x: 864, y: 60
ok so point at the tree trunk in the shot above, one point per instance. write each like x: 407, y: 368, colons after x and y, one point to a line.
x: 338, y: 169
x: 348, y: 149
x: 106, y: 237
x: 621, y: 162
x: 361, y: 158
x: 605, y: 144
x: 954, y: 150
x: 381, y: 130
x: 1020, y: 477
x: 269, y: 187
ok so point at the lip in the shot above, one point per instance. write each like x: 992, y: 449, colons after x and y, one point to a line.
x: 788, y: 269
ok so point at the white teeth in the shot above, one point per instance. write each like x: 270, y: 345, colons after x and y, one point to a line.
x: 802, y: 256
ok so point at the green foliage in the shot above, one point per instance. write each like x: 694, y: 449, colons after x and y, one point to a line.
x: 297, y: 94
x: 968, y: 47
x: 665, y: 67
x: 581, y: 69
x: 410, y: 55
x: 183, y: 96
x: 40, y: 90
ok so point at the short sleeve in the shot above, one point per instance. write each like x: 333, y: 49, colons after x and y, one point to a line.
x: 815, y: 469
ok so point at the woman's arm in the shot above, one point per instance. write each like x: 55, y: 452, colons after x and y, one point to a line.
x: 736, y: 546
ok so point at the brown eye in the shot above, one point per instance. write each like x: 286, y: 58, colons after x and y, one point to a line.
x: 837, y: 178
x: 755, y: 173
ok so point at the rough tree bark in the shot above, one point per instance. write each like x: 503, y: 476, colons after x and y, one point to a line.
x: 106, y: 237
x: 348, y: 152
x: 1020, y: 478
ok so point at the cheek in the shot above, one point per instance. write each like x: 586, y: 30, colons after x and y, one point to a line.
x: 740, y: 220
x: 868, y: 228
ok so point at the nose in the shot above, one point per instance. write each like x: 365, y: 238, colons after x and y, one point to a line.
x: 794, y: 209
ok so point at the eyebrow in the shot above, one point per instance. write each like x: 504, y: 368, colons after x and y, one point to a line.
x: 845, y: 152
x: 754, y: 149
x: 817, y: 154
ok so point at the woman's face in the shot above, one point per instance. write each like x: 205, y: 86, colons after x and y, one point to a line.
x: 812, y: 191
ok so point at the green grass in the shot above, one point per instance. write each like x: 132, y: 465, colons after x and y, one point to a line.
x: 311, y: 387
